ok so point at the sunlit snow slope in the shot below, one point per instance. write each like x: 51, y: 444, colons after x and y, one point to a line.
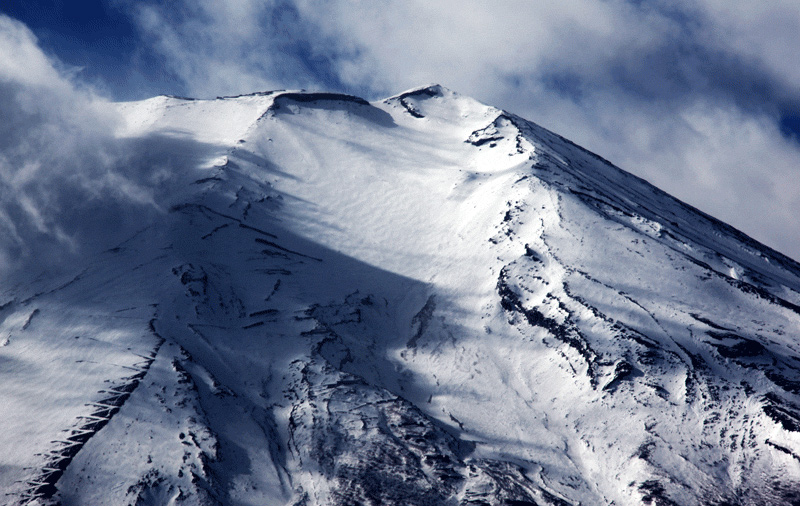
x: 417, y: 301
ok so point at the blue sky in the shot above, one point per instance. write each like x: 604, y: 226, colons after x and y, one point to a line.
x: 700, y: 97
x: 99, y: 38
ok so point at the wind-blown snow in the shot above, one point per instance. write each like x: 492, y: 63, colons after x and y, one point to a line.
x: 420, y: 300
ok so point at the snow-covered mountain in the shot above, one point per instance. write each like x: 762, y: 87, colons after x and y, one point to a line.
x: 416, y: 301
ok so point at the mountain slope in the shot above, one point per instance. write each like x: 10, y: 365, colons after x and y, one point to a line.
x: 421, y: 300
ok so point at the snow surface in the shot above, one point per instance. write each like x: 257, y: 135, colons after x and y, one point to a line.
x: 419, y: 300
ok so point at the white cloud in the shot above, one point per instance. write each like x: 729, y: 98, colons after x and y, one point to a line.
x: 763, y: 30
x: 226, y: 48
x: 67, y: 185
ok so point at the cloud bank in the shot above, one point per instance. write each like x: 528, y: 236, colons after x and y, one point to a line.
x: 694, y: 96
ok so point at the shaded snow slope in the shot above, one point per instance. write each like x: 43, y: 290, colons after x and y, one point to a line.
x: 416, y: 301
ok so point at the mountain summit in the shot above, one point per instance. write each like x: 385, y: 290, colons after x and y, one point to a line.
x: 421, y: 300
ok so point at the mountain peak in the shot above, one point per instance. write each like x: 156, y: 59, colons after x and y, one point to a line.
x: 430, y: 90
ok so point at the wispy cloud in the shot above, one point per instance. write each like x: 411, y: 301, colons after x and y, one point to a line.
x: 227, y: 48
x: 67, y: 184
